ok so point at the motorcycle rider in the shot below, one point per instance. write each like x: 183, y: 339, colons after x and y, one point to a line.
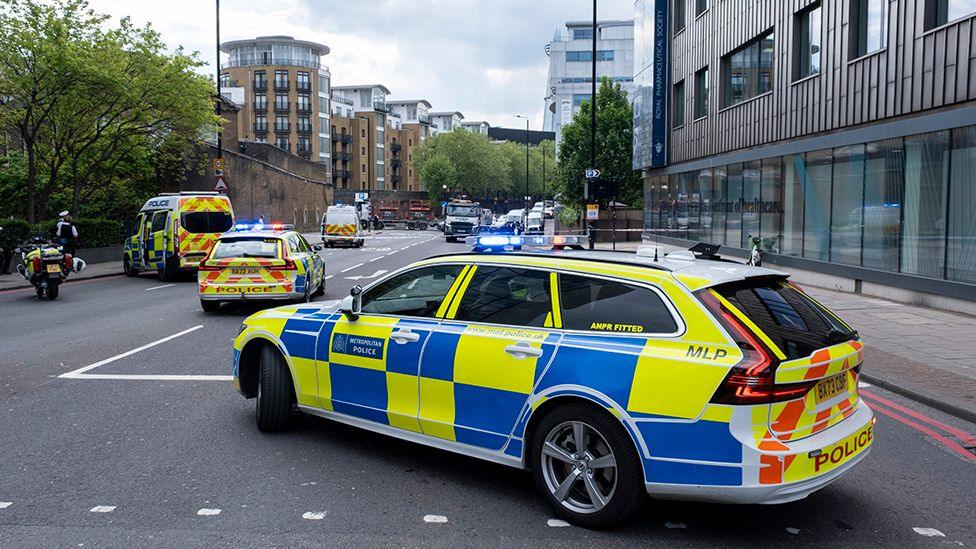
x: 67, y: 233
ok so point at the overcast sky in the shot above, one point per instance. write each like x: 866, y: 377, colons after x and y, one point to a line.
x: 485, y: 58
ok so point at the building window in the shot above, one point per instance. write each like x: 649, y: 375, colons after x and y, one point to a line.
x: 578, y: 99
x: 282, y: 143
x: 582, y: 34
x: 701, y: 93
x: 260, y: 123
x: 816, y: 210
x: 260, y: 80
x: 678, y: 108
x: 303, y: 103
x: 847, y: 205
x: 586, y: 56
x: 806, y: 57
x: 868, y: 26
x: 362, y: 132
x: 260, y: 101
x: 303, y: 82
x: 281, y: 80
x: 884, y: 170
x: 304, y: 124
x: 748, y: 71
x: 924, y: 211
x: 961, y: 259
x: 678, y: 12
x: 364, y: 168
x: 940, y: 12
x: 281, y: 123
x: 281, y: 102
x: 304, y: 145
x: 701, y: 6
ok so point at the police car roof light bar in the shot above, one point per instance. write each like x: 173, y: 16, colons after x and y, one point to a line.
x: 502, y: 242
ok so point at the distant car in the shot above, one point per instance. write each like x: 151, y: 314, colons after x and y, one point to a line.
x: 257, y: 263
x: 534, y: 223
x: 514, y: 216
x: 608, y: 375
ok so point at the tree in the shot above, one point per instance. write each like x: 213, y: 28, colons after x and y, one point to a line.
x: 479, y: 167
x: 614, y: 147
x: 436, y: 174
x: 98, y: 109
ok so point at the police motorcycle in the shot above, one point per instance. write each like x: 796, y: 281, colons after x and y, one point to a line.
x: 758, y: 251
x: 46, y: 266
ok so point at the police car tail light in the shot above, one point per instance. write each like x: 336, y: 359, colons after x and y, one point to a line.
x: 751, y: 381
x: 205, y: 266
x: 287, y: 266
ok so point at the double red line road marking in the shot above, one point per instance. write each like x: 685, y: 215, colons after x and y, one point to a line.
x: 956, y: 440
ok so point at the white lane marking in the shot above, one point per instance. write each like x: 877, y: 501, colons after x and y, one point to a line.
x: 928, y: 532
x: 556, y: 523
x: 438, y: 519
x: 160, y: 287
x: 328, y: 277
x: 102, y: 509
x: 675, y: 525
x: 76, y: 374
x: 389, y: 254
x: 155, y: 377
x: 356, y: 266
x: 314, y: 515
x: 376, y: 259
x: 403, y: 248
x: 377, y: 274
x: 208, y: 512
x: 792, y: 530
x: 5, y: 504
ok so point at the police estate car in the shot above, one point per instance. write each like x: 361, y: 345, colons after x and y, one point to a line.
x: 607, y: 374
x: 258, y: 262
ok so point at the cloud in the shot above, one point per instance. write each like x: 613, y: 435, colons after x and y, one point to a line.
x: 485, y: 58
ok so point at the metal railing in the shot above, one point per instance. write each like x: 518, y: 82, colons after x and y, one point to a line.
x: 260, y: 85
x: 269, y: 62
x: 260, y: 128
x: 282, y: 85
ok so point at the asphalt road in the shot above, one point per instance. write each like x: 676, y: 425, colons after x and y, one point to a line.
x: 177, y: 462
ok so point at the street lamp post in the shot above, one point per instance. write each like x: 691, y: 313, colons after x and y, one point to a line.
x: 589, y: 226
x: 220, y: 110
x: 525, y: 212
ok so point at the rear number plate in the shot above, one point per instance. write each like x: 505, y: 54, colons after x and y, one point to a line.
x: 53, y: 268
x: 829, y: 388
x: 243, y: 271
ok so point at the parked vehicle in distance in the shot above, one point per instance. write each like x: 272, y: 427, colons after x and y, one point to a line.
x: 341, y: 225
x: 45, y: 265
x: 463, y: 219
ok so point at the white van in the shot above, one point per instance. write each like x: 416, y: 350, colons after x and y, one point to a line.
x: 340, y: 225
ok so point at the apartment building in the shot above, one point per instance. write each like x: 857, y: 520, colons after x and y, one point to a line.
x: 283, y: 90
x: 476, y: 126
x: 570, y: 67
x: 446, y: 121
x: 842, y: 132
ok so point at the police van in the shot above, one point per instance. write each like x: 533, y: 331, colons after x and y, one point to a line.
x: 175, y: 231
x: 341, y: 225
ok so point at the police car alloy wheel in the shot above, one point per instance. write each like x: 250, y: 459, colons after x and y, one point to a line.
x: 586, y: 465
x: 275, y: 392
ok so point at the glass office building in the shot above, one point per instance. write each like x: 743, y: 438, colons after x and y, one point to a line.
x: 848, y: 153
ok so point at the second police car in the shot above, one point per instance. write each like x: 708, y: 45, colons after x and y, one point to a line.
x: 609, y: 375
x: 258, y: 262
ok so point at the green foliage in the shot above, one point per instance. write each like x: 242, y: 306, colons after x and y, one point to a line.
x: 569, y: 214
x: 101, y: 110
x: 14, y: 232
x: 92, y: 233
x: 436, y: 173
x: 614, y: 147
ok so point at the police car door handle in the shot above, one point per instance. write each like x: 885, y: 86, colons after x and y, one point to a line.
x: 405, y: 336
x: 523, y: 350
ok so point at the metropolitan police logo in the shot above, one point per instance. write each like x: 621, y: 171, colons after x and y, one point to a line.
x: 339, y: 342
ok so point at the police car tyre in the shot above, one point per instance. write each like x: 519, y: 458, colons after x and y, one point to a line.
x: 209, y: 306
x: 275, y: 392
x: 127, y: 267
x: 597, y: 484
x: 52, y: 289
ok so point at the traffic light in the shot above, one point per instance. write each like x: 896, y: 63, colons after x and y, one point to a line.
x: 603, y: 189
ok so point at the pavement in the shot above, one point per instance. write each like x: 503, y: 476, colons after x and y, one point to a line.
x: 924, y: 353
x: 158, y: 450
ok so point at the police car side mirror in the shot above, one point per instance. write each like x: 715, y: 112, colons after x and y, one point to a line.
x: 351, y: 305
x: 318, y: 247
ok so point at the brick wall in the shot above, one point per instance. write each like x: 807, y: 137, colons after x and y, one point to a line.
x: 266, y: 181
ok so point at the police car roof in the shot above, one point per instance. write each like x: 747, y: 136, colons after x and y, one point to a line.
x: 715, y: 271
x: 252, y: 233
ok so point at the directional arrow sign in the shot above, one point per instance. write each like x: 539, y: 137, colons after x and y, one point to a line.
x: 592, y: 173
x: 377, y: 274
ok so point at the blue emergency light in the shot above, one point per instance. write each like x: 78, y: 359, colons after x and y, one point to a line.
x: 502, y: 242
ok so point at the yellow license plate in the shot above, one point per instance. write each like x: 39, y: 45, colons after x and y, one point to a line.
x: 243, y: 270
x: 53, y: 268
x: 829, y: 388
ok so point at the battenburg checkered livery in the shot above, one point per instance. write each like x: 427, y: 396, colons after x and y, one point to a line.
x: 609, y: 375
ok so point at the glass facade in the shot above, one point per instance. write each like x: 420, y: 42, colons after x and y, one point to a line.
x: 905, y: 205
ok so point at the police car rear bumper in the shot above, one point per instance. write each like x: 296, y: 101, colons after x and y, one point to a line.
x: 251, y: 296
x: 768, y: 494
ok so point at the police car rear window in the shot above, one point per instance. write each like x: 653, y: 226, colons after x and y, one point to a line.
x: 246, y: 247
x: 500, y: 295
x: 797, y: 324
x: 206, y: 222
x: 598, y: 305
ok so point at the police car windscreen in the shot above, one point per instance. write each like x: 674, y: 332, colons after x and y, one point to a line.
x: 206, y: 222
x: 462, y: 211
x: 797, y: 324
x: 229, y: 248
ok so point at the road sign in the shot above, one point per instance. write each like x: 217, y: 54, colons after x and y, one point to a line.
x: 592, y: 173
x: 218, y: 164
x: 592, y: 212
x: 220, y: 186
x: 362, y: 197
